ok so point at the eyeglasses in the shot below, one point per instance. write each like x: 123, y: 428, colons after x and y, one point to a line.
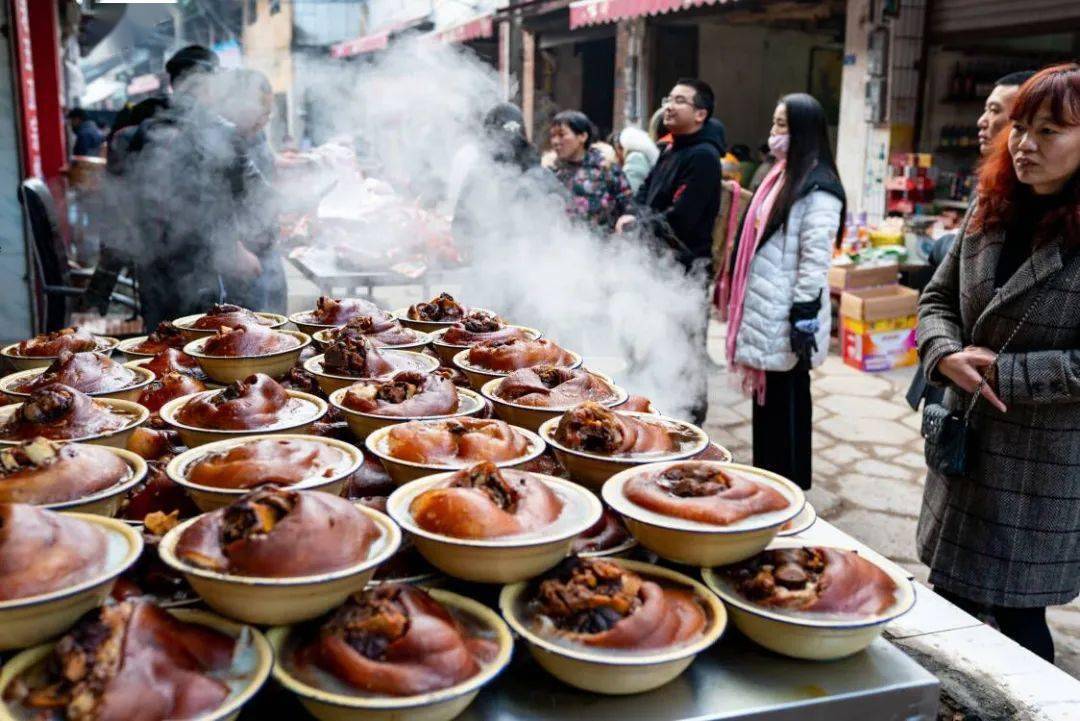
x: 676, y: 100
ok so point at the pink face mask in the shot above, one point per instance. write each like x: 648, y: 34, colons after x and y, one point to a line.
x: 778, y: 145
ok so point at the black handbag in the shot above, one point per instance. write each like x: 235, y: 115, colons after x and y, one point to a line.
x: 949, y: 435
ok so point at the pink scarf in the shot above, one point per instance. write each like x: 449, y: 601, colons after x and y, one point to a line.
x: 733, y: 289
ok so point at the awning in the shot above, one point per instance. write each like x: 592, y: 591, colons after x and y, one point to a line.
x: 380, y: 40
x: 358, y: 46
x: 475, y: 29
x: 140, y: 84
x: 598, y: 12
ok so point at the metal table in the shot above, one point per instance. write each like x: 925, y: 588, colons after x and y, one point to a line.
x: 320, y: 266
x: 734, y: 680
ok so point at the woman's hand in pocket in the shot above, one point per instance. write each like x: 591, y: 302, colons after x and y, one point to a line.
x: 968, y: 369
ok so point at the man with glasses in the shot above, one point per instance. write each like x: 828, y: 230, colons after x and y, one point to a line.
x: 679, y: 201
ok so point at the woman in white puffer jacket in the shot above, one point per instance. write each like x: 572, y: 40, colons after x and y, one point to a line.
x: 776, y: 294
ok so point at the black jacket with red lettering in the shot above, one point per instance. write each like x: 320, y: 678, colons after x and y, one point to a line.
x: 680, y: 199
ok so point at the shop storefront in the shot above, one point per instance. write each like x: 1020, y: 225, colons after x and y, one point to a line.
x: 751, y: 54
x: 969, y: 46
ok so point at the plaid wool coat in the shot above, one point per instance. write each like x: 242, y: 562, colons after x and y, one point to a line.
x: 1008, y: 534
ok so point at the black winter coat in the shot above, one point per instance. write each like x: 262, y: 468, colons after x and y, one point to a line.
x: 680, y: 199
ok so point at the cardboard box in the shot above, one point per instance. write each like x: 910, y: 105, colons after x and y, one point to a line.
x: 877, y: 327
x: 849, y: 277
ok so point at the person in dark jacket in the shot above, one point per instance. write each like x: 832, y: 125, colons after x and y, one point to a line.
x: 246, y: 101
x: 506, y: 165
x: 188, y: 178
x: 88, y: 136
x: 679, y: 201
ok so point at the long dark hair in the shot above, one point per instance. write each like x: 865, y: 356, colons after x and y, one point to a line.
x: 809, y: 151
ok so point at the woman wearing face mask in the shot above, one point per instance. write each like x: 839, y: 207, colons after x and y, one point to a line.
x: 999, y: 325
x: 775, y: 298
x: 599, y: 192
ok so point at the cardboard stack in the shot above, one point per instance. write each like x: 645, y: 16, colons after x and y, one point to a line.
x: 877, y: 317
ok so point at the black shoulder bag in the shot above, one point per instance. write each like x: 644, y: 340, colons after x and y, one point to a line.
x: 948, y: 434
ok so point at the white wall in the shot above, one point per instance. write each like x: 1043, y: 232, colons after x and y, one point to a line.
x: 14, y: 289
x: 851, y: 148
x: 750, y: 67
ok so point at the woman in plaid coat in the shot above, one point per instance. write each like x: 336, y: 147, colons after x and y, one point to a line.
x: 1004, y: 538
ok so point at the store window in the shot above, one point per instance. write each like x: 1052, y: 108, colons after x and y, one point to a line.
x: 275, y: 7
x: 252, y: 11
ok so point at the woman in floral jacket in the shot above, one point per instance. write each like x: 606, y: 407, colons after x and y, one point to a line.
x: 599, y: 192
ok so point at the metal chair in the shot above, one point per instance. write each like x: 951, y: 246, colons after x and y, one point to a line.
x: 53, y: 275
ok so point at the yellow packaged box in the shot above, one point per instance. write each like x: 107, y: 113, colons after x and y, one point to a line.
x: 877, y: 327
x: 850, y: 277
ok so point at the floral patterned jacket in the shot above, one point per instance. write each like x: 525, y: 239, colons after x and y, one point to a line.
x: 599, y: 193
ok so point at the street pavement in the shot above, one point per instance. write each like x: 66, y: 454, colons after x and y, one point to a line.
x: 868, y: 467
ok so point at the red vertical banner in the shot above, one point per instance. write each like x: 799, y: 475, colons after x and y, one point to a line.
x: 31, y: 136
x: 49, y: 83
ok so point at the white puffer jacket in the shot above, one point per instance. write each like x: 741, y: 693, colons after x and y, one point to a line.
x: 791, y: 266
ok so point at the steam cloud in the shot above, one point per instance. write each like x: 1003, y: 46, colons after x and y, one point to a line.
x: 615, y: 300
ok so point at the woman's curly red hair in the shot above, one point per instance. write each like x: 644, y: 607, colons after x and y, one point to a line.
x: 1058, y: 88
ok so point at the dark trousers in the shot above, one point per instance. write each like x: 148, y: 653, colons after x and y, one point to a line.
x: 782, y: 426
x: 1026, y: 626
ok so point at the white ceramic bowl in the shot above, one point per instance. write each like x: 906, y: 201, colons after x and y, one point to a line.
x: 593, y: 469
x: 363, y: 424
x: 447, y: 351
x: 226, y: 369
x: 106, y: 502
x: 802, y: 635
x: 406, y: 360
x: 441, y: 705
x: 136, y: 414
x: 31, y: 620
x: 402, y: 472
x: 143, y: 378
x: 209, y: 498
x: 532, y: 417
x: 600, y: 670
x: 428, y: 326
x: 497, y: 560
x: 479, y: 376
x: 194, y: 436
x: 323, y: 338
x: 703, y: 544
x: 127, y: 348
x: 106, y: 345
x: 802, y: 522
x: 190, y: 333
x: 279, y: 601
x: 241, y: 688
